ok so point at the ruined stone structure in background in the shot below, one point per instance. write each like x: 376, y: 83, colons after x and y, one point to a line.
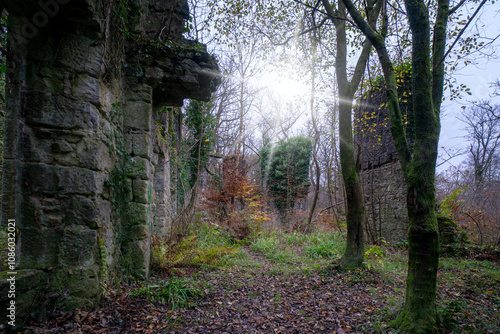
x: 383, y: 183
x: 384, y: 187
x: 86, y: 176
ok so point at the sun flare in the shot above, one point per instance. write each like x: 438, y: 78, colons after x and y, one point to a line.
x: 285, y: 86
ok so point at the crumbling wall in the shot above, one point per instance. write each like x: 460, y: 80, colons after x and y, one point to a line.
x: 383, y: 183
x: 85, y: 176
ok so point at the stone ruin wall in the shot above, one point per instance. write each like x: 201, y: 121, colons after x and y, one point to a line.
x: 84, y: 126
x: 384, y: 188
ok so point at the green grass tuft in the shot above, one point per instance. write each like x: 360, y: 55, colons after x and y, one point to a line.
x: 176, y: 293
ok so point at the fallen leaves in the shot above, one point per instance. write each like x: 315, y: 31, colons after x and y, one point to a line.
x: 254, y: 301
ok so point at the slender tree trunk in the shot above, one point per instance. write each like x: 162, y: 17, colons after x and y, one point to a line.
x: 315, y: 144
x: 354, y: 252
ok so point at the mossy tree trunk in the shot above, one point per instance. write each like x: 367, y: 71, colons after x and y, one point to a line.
x: 354, y: 252
x: 419, y: 313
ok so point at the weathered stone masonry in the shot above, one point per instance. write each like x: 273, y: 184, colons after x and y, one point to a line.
x: 384, y: 187
x: 85, y: 174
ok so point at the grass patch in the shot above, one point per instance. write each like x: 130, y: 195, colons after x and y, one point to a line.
x: 207, y: 246
x: 298, y: 248
x: 273, y: 248
x: 176, y: 293
x: 324, y: 245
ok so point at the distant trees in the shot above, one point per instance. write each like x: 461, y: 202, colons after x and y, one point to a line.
x: 201, y: 123
x: 190, y: 136
x: 285, y: 167
x: 483, y: 128
x: 470, y: 191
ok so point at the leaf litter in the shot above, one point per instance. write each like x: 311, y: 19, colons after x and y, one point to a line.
x: 262, y: 299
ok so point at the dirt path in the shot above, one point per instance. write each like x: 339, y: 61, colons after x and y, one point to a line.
x: 259, y: 299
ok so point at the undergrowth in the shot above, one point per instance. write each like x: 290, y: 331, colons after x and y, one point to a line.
x: 208, y: 245
x: 462, y: 282
x: 175, y: 293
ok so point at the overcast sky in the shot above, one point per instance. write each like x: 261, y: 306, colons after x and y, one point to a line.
x: 478, y: 78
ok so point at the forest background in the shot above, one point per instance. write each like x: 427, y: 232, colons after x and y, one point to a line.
x: 277, y: 107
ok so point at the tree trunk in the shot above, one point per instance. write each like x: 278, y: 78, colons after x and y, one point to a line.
x: 419, y: 314
x: 355, y: 247
x: 315, y: 143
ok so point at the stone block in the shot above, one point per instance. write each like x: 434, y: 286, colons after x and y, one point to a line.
x: 68, y: 159
x: 104, y: 213
x: 43, y: 212
x: 81, y: 210
x: 141, y: 144
x: 79, y: 247
x: 181, y: 7
x: 107, y: 97
x: 154, y: 75
x: 64, y: 113
x: 80, y: 286
x: 129, y: 192
x: 190, y: 81
x: 51, y: 179
x: 87, y: 88
x: 161, y: 220
x: 108, y: 239
x: 129, y: 144
x: 81, y: 54
x: 93, y: 154
x: 136, y: 256
x: 137, y: 115
x: 142, y: 191
x: 61, y: 146
x: 139, y: 214
x: 74, y: 180
x: 141, y: 168
x: 39, y: 247
x: 54, y: 85
x: 52, y: 72
x: 140, y: 232
x: 33, y: 148
x: 154, y: 159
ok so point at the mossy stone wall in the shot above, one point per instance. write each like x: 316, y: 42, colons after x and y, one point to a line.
x: 82, y: 163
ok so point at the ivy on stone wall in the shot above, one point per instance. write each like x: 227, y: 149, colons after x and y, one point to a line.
x: 119, y: 183
x: 373, y: 104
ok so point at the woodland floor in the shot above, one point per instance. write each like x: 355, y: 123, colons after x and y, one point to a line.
x: 283, y: 283
x: 260, y: 293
